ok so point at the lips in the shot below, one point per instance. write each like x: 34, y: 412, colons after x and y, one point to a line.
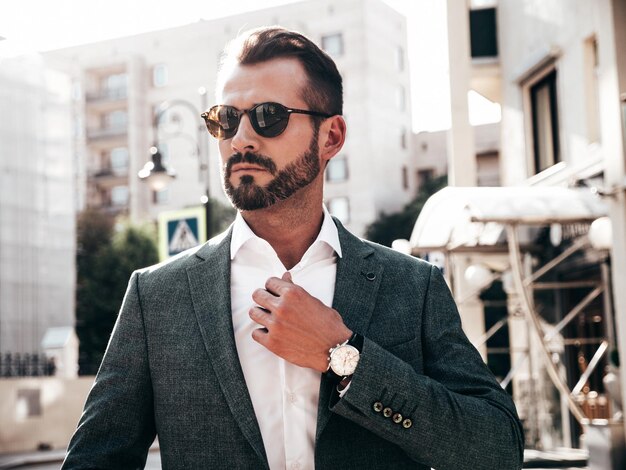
x: 249, y: 162
x: 244, y: 167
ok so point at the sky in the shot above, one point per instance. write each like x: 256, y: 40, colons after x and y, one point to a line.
x: 41, y: 25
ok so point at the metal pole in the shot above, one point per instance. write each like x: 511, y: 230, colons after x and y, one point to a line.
x: 609, y: 322
x: 201, y: 147
x: 205, y: 164
x: 533, y: 320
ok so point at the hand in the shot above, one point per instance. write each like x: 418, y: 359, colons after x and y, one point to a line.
x: 297, y: 326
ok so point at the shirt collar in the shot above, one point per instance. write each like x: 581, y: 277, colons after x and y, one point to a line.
x: 242, y: 233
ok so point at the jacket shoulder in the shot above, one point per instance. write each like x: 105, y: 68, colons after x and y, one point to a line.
x: 180, y: 262
x: 397, y: 260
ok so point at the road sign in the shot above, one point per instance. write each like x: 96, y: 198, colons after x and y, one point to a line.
x: 181, y: 230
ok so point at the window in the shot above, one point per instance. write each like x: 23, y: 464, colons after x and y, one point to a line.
x: 28, y: 402
x: 590, y: 49
x: 400, y: 58
x: 119, y: 195
x: 77, y: 126
x: 77, y: 90
x: 159, y: 75
x: 544, y: 118
x: 337, y: 169
x: 424, y: 176
x: 483, y: 33
x: 400, y: 98
x: 114, y: 86
x: 116, y: 119
x: 119, y: 160
x: 333, y: 44
x: 161, y: 197
x: 164, y: 150
x: 405, y: 177
x: 403, y: 138
x: 340, y: 208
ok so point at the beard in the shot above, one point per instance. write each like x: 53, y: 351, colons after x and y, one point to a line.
x: 249, y: 196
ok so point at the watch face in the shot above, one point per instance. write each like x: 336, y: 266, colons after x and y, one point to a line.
x: 344, y: 359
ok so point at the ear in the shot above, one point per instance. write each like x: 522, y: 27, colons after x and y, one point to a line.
x: 332, y: 137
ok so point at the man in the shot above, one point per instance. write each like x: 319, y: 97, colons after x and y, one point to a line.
x: 287, y: 342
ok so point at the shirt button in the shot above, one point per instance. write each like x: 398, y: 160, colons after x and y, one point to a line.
x: 407, y: 423
x: 378, y: 407
x: 292, y: 398
x: 295, y: 466
x: 387, y: 412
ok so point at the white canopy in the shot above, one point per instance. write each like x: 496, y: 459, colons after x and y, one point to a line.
x: 474, y: 216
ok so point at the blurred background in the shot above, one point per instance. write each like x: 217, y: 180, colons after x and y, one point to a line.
x: 486, y: 136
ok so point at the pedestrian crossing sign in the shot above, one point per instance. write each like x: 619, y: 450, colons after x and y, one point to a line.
x: 181, y: 230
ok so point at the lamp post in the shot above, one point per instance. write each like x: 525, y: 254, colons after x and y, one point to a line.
x: 158, y: 176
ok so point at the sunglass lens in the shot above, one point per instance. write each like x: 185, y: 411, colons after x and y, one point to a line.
x: 270, y: 119
x: 222, y: 122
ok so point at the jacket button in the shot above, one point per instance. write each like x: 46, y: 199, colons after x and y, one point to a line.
x: 370, y: 276
x: 397, y: 418
x: 387, y: 412
x: 407, y: 423
x: 378, y: 407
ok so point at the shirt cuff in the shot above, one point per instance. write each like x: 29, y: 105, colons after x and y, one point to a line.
x: 343, y: 391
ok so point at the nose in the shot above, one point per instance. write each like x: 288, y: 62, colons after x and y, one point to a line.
x: 246, y: 139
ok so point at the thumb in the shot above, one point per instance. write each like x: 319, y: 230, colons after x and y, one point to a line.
x: 287, y: 277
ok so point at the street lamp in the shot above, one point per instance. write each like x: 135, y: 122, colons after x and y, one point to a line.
x: 157, y: 175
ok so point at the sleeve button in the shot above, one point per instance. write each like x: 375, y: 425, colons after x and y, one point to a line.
x: 397, y: 418
x: 378, y: 407
x: 387, y: 412
x: 407, y: 423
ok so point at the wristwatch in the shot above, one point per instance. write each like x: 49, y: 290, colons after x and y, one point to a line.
x: 343, y: 358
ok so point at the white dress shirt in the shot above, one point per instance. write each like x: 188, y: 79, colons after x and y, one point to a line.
x: 284, y: 396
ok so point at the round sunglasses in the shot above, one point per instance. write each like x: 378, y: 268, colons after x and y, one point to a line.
x: 267, y: 119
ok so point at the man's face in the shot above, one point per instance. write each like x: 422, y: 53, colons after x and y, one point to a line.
x: 260, y: 171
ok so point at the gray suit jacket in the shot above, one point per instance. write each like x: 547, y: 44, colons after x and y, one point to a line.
x: 171, y: 368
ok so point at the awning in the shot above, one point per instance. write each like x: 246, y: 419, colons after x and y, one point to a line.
x: 475, y: 216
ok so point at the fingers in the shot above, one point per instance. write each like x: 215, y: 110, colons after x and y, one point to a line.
x: 264, y: 298
x: 260, y: 316
x: 260, y: 335
x: 279, y: 286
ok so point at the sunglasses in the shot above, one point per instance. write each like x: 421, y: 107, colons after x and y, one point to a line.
x: 267, y: 119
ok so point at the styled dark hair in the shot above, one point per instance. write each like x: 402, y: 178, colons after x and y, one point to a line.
x: 324, y: 91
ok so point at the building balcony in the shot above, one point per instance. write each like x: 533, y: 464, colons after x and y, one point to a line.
x: 108, y: 177
x: 110, y: 209
x: 101, y: 133
x: 108, y: 94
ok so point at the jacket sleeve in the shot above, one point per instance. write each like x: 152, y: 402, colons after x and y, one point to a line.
x: 453, y: 414
x: 117, y: 425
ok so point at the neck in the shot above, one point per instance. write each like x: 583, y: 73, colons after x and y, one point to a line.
x: 290, y: 226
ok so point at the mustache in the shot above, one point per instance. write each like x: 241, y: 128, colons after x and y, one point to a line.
x: 252, y: 158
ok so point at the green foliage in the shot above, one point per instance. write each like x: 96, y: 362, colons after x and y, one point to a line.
x: 389, y: 227
x: 107, y: 254
x: 221, y: 217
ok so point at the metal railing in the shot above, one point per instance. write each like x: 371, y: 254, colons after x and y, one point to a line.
x: 26, y: 365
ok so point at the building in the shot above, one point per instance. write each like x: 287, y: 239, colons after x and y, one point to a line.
x: 121, y: 83
x: 530, y: 250
x: 429, y: 154
x: 37, y: 209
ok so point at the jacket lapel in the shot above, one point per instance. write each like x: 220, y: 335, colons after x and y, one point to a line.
x: 356, y: 287
x: 209, y: 281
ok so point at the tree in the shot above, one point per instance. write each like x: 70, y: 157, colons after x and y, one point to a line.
x: 107, y: 254
x: 221, y: 216
x: 389, y: 227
